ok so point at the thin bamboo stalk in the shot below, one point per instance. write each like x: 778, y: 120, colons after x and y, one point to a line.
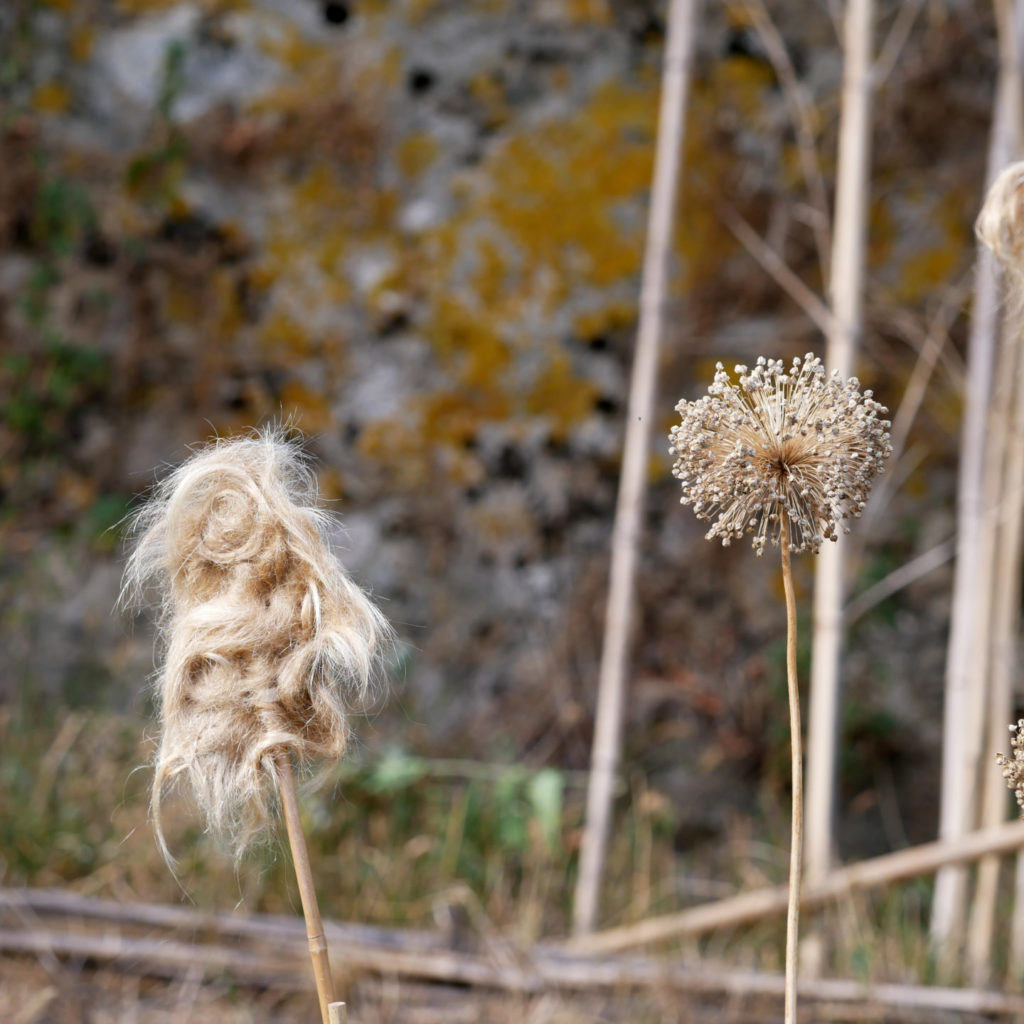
x: 1017, y: 924
x: 986, y: 685
x: 846, y: 287
x: 1007, y: 448
x: 307, y: 890
x: 963, y: 714
x: 753, y: 906
x: 1002, y: 658
x: 630, y: 505
x: 796, y: 848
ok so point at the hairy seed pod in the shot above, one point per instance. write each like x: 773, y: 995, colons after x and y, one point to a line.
x: 266, y: 642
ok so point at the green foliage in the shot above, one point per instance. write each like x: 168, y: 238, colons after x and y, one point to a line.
x: 155, y: 174
x: 104, y: 521
x: 172, y: 80
x: 62, y: 214
x: 45, y: 387
x: 48, y: 378
x: 497, y: 828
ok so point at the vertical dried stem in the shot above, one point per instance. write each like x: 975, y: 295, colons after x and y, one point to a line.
x: 1008, y: 447
x: 796, y: 745
x: 307, y: 891
x: 629, y: 507
x: 846, y: 288
x: 968, y: 637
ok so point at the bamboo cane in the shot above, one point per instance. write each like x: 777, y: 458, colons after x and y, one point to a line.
x: 748, y: 907
x: 963, y: 714
x: 551, y: 971
x: 629, y: 508
x: 846, y: 287
x: 995, y: 690
x: 1007, y: 472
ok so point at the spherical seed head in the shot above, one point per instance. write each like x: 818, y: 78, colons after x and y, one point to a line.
x: 794, y: 441
x: 1013, y: 765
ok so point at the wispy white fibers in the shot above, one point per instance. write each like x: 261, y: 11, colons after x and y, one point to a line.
x: 266, y: 643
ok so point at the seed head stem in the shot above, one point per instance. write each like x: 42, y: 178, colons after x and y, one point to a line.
x: 796, y: 746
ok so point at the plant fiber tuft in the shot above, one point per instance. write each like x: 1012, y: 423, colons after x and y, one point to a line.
x: 266, y: 642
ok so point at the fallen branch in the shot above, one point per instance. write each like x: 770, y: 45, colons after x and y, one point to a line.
x: 162, y: 958
x: 545, y: 968
x: 255, y: 927
x: 752, y: 906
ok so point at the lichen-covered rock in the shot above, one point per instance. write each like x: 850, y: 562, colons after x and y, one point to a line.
x: 417, y: 228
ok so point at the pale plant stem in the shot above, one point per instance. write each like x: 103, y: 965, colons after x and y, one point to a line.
x: 307, y: 891
x: 629, y: 509
x: 966, y: 659
x: 796, y: 745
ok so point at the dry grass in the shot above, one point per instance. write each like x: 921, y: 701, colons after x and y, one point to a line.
x: 467, y: 847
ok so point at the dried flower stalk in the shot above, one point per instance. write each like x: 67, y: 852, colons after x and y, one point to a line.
x: 785, y: 456
x: 266, y: 642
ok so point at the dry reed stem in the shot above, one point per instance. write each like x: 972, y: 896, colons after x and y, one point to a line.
x: 307, y: 890
x: 748, y: 907
x: 1000, y: 228
x: 963, y: 713
x: 682, y: 19
x: 796, y: 746
x: 846, y: 297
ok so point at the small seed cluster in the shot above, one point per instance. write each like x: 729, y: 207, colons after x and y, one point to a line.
x: 796, y: 441
x: 1013, y: 765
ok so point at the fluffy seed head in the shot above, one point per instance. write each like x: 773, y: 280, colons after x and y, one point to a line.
x: 1000, y: 225
x: 779, y: 440
x: 265, y: 641
x: 1013, y: 765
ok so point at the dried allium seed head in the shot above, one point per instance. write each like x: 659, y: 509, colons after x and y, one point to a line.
x: 1013, y: 766
x: 793, y: 440
x: 266, y: 641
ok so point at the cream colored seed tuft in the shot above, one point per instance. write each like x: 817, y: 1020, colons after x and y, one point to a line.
x: 266, y: 641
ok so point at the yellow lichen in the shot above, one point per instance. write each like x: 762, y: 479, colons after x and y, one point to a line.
x: 81, y: 43
x: 51, y: 98
x: 561, y: 396
x: 415, y: 154
x: 604, y: 320
x: 309, y: 408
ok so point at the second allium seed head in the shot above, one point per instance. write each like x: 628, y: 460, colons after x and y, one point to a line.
x: 794, y: 440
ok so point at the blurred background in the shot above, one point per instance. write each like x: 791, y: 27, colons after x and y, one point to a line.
x: 415, y: 230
